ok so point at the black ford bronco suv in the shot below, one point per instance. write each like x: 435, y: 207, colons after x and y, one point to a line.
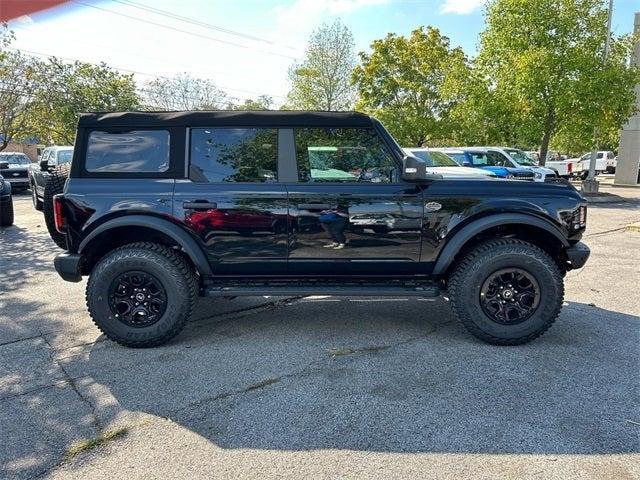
x: 160, y: 208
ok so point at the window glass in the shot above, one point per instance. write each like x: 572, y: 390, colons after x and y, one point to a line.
x: 141, y: 151
x: 610, y: 155
x: 234, y: 155
x: 458, y: 157
x: 343, y: 155
x: 64, y: 156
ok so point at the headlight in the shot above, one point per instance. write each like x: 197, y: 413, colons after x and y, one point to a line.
x: 537, y: 175
x: 509, y: 175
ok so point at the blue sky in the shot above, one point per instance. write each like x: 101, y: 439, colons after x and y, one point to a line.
x: 269, y: 35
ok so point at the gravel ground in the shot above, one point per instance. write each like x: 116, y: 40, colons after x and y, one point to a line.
x: 321, y: 387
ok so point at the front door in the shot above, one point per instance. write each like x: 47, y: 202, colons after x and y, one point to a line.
x: 349, y: 212
x: 232, y: 200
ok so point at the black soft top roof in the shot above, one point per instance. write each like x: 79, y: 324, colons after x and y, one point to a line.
x: 226, y: 118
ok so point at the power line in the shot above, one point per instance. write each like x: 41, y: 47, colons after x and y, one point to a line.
x: 169, y: 27
x: 193, y: 21
x: 153, y: 75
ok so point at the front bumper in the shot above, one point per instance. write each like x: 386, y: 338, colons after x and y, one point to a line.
x: 578, y: 255
x: 68, y: 266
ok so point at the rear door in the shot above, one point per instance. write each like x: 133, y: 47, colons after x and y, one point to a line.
x: 232, y: 200
x: 350, y: 214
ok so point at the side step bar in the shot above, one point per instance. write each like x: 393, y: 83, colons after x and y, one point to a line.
x: 280, y: 290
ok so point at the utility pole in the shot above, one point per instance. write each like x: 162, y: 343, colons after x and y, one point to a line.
x: 591, y: 185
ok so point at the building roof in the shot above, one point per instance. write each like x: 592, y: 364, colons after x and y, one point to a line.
x: 226, y: 118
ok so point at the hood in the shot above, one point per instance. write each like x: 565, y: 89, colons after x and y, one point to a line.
x: 460, y: 172
x: 546, y: 171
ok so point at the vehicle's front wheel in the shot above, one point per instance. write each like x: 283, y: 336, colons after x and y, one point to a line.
x: 506, y: 291
x: 142, y: 294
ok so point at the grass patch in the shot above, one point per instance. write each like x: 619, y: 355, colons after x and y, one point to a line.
x: 341, y: 351
x: 91, y: 443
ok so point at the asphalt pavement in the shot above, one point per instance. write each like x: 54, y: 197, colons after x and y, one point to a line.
x: 321, y: 387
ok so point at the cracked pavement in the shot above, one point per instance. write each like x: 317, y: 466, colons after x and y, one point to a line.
x: 322, y: 387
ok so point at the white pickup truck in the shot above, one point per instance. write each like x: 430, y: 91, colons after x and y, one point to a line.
x: 564, y: 168
x: 606, y: 161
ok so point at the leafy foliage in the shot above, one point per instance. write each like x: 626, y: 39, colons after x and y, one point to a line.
x: 544, y: 58
x: 412, y: 84
x: 68, y: 89
x: 322, y: 80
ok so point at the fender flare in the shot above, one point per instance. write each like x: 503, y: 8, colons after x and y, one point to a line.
x: 181, y: 237
x: 454, y: 245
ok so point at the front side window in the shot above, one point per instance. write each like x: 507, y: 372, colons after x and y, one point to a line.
x: 343, y: 155
x: 234, y: 155
x: 136, y: 151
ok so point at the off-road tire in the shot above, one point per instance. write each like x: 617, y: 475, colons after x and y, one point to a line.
x: 55, y: 185
x: 174, y: 272
x: 37, y: 203
x: 6, y: 215
x: 468, y: 275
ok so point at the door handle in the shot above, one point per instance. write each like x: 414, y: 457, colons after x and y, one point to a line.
x: 199, y: 205
x: 314, y: 206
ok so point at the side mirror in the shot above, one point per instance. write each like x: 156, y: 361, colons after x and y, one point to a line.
x: 4, y: 165
x: 44, y: 165
x: 415, y: 170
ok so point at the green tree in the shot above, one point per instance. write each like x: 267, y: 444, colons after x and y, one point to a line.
x: 412, y: 84
x: 545, y: 58
x: 19, y: 79
x: 322, y: 80
x: 68, y: 89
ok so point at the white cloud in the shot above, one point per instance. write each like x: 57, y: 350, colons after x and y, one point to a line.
x: 24, y: 20
x: 461, y: 7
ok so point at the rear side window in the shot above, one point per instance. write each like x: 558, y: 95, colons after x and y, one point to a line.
x: 136, y: 151
x: 234, y: 155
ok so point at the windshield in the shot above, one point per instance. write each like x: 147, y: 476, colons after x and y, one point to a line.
x: 521, y: 158
x: 15, y: 158
x: 434, y: 159
x: 64, y: 156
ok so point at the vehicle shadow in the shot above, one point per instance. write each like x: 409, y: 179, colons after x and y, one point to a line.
x: 343, y: 375
x: 328, y: 373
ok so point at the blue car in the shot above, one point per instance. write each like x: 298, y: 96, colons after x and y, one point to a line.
x: 493, y: 161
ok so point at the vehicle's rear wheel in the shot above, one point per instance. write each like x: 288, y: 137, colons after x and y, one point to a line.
x: 37, y: 203
x: 6, y: 214
x: 506, y: 291
x: 55, y: 185
x: 142, y: 294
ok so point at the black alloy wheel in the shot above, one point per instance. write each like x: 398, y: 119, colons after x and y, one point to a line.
x: 510, y: 296
x: 137, y: 299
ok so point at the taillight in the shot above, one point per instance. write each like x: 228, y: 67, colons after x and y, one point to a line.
x: 569, y: 167
x: 58, y: 216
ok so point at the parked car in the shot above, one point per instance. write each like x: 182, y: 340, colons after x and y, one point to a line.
x: 605, y: 162
x: 498, y: 249
x: 518, y: 158
x: 51, y: 158
x: 492, y: 161
x: 6, y: 203
x: 440, y: 163
x: 14, y: 167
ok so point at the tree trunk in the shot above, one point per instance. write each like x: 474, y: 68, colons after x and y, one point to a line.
x: 546, y: 138
x: 3, y: 145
